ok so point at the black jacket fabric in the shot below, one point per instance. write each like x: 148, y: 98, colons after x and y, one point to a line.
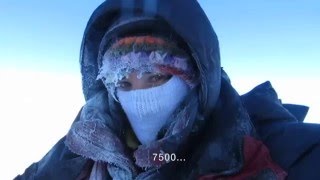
x: 294, y: 145
x: 215, y: 142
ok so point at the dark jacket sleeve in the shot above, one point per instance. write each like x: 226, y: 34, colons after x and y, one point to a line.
x: 294, y: 145
x: 59, y: 163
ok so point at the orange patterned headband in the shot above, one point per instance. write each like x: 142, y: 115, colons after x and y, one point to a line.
x: 139, y: 40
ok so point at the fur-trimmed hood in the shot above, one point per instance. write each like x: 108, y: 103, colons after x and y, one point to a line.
x: 184, y: 17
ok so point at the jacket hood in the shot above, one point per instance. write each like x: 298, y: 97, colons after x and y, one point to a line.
x: 213, y: 107
x: 183, y: 17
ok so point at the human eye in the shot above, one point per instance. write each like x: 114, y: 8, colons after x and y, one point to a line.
x: 124, y: 85
x: 158, y: 78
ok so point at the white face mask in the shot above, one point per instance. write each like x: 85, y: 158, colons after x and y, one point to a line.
x: 149, y: 109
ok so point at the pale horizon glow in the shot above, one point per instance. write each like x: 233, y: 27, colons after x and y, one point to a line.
x: 37, y: 109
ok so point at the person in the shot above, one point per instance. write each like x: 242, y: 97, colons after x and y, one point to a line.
x: 159, y: 106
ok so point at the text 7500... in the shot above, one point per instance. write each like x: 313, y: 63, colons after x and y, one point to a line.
x: 166, y: 157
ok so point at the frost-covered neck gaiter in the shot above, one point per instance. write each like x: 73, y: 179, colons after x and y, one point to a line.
x: 149, y: 109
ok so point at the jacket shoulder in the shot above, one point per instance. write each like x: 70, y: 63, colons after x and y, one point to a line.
x: 58, y: 163
x: 294, y: 145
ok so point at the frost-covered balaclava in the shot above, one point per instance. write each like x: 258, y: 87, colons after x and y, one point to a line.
x: 148, y: 109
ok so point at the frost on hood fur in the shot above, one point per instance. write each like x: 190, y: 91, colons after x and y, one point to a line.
x: 99, y: 133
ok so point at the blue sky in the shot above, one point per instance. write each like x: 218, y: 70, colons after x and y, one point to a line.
x: 276, y: 40
x: 277, y: 34
x: 43, y: 35
x: 282, y: 35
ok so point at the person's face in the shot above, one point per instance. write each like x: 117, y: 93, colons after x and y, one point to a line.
x: 148, y: 80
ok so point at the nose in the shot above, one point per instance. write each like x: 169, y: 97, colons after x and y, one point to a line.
x: 138, y: 83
